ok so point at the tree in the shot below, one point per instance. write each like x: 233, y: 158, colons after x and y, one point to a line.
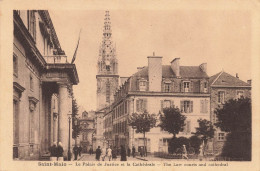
x: 172, y: 120
x: 205, y: 130
x: 235, y: 117
x: 142, y: 123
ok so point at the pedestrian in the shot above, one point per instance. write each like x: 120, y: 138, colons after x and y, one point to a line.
x: 60, y: 152
x: 109, y: 153
x: 98, y: 153
x: 80, y: 149
x: 53, y: 151
x: 91, y: 151
x: 114, y: 153
x: 184, y: 152
x: 133, y: 151
x: 141, y: 151
x: 201, y: 153
x: 123, y: 153
x: 103, y: 153
x: 75, y: 151
x: 128, y: 152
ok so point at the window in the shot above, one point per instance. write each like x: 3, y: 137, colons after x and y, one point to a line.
x: 141, y: 105
x: 142, y: 85
x: 108, y: 67
x: 31, y: 83
x: 166, y: 104
x: 221, y: 136
x: 221, y: 97
x: 32, y: 24
x: 107, y: 92
x: 187, y: 127
x: 167, y: 87
x: 240, y: 94
x: 15, y: 65
x: 205, y: 87
x: 187, y: 106
x: 204, y: 106
x: 186, y: 86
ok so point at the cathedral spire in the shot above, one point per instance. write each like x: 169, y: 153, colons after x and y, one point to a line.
x: 107, y: 26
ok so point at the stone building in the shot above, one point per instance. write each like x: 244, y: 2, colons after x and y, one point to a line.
x: 224, y: 87
x: 87, y: 124
x: 42, y: 82
x: 153, y: 88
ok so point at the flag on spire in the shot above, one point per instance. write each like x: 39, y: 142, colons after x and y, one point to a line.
x: 75, y: 53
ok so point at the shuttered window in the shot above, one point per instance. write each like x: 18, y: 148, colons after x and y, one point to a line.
x: 141, y: 105
x: 204, y: 106
x: 187, y: 106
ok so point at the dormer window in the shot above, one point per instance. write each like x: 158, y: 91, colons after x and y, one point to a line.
x: 205, y: 87
x: 142, y: 85
x: 186, y: 86
x: 108, y: 67
x: 167, y: 87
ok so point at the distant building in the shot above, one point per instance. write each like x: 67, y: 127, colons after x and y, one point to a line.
x: 153, y: 88
x: 87, y: 125
x: 224, y: 87
x: 42, y: 82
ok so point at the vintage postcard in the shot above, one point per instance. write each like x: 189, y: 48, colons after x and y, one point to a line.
x: 107, y: 85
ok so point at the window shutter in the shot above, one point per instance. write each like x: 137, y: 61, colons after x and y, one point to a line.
x: 191, y: 87
x: 182, y: 86
x: 137, y: 84
x: 188, y: 126
x: 201, y: 106
x: 162, y: 86
x: 201, y: 86
x: 206, y: 106
x: 145, y: 104
x: 191, y: 106
x: 137, y: 105
x: 172, y: 87
x: 161, y: 105
x: 172, y: 103
x: 147, y: 85
x: 182, y: 106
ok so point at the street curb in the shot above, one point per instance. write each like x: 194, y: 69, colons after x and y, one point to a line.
x: 141, y: 159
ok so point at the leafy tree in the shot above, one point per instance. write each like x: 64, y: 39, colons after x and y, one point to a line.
x: 172, y: 120
x: 205, y: 130
x: 142, y: 123
x: 235, y: 117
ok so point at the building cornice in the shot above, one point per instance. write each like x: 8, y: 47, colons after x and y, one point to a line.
x: 227, y: 86
x: 117, y: 76
x: 175, y: 94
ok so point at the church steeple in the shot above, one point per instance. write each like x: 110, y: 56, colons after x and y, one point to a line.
x: 107, y: 63
x: 107, y: 75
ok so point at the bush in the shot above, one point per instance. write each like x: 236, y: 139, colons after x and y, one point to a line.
x: 195, y: 142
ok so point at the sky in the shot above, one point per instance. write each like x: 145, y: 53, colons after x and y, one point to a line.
x: 220, y: 38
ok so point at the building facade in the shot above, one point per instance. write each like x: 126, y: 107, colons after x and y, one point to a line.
x: 87, y: 125
x: 42, y: 84
x: 153, y: 88
x: 224, y: 87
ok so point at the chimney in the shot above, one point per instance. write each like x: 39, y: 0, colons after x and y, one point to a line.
x: 237, y: 75
x: 203, y: 67
x: 175, y: 65
x: 139, y: 68
x: 155, y: 72
x: 249, y: 82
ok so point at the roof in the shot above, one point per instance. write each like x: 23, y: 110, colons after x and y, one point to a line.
x: 123, y: 80
x: 225, y: 79
x: 185, y: 72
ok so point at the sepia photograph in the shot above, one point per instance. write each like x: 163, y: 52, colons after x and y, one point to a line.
x: 115, y: 86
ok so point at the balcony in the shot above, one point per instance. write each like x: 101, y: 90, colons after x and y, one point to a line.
x: 56, y: 59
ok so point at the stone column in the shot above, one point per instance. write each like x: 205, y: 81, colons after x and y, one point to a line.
x: 63, y: 126
x: 55, y: 128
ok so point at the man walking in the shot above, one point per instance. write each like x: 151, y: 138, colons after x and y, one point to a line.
x: 75, y: 151
x: 98, y: 153
x: 133, y: 151
x: 109, y: 153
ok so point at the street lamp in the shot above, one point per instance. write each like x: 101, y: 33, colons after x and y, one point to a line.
x: 69, y: 152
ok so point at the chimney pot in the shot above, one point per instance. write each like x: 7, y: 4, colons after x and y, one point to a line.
x: 237, y: 75
x: 203, y: 67
x: 249, y: 82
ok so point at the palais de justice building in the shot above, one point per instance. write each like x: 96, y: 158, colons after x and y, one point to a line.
x: 42, y: 84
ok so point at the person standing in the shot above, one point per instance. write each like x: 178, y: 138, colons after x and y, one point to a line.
x: 184, y: 152
x: 141, y: 151
x: 128, y: 152
x: 109, y: 153
x: 53, y: 151
x: 91, y: 151
x: 80, y: 149
x: 114, y: 153
x: 98, y: 153
x: 123, y: 153
x: 75, y: 151
x: 60, y: 152
x: 133, y: 151
x: 103, y: 153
